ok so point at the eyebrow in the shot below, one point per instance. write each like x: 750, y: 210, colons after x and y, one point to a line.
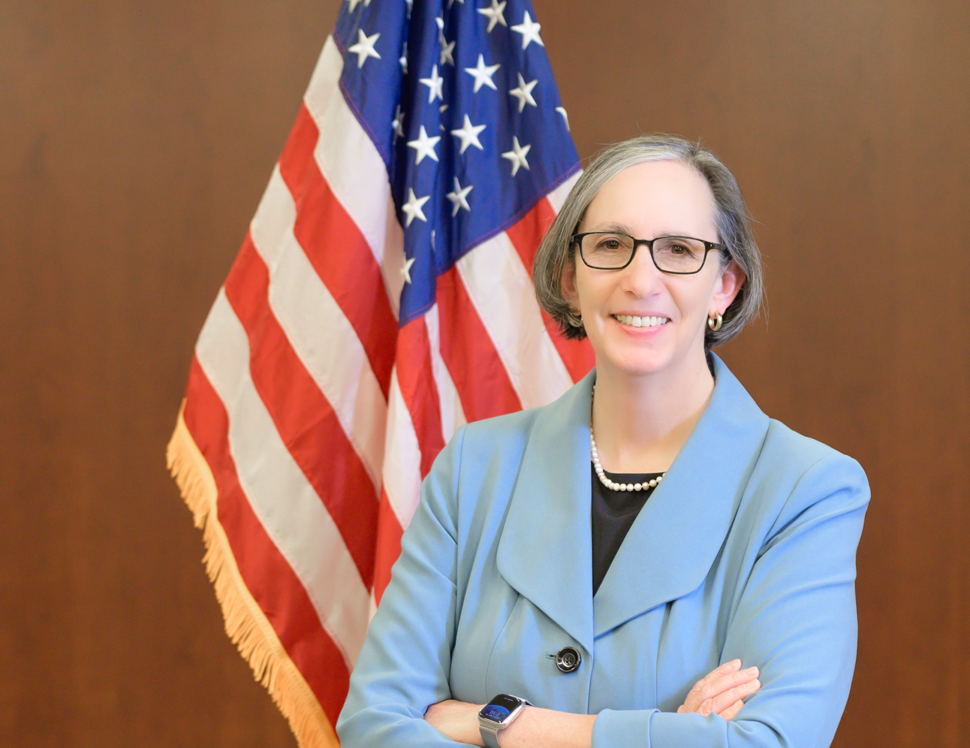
x: 619, y: 228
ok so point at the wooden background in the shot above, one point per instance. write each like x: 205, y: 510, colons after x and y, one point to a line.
x: 135, y: 141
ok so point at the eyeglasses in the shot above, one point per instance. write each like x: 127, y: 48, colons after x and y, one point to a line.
x: 676, y: 255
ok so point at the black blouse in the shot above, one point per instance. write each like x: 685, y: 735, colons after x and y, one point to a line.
x: 613, y: 513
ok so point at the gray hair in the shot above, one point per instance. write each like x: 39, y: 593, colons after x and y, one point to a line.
x: 731, y: 216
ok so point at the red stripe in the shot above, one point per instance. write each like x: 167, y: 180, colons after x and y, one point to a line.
x: 526, y: 235
x: 338, y: 251
x: 297, y: 165
x: 388, y: 546
x: 416, y: 380
x: 306, y: 422
x: 483, y: 385
x: 265, y: 572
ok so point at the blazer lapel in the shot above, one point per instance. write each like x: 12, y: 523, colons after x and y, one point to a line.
x: 680, y: 530
x: 545, y: 551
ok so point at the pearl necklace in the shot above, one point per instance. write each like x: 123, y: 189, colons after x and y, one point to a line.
x: 613, y: 485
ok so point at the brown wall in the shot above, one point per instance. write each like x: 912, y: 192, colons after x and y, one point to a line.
x: 135, y: 140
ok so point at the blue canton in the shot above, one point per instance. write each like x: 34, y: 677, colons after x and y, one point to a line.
x: 459, y: 98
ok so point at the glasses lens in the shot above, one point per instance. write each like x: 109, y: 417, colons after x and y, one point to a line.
x: 606, y: 250
x: 678, y: 254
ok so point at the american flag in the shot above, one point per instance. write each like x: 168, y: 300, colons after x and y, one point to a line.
x: 381, y: 299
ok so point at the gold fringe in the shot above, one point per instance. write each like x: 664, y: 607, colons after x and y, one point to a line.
x: 246, y: 624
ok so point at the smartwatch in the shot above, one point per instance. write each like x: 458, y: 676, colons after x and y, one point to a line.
x: 497, y: 715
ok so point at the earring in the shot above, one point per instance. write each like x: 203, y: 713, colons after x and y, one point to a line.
x: 715, y: 322
x: 576, y: 320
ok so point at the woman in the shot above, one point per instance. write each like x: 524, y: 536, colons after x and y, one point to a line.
x: 649, y: 531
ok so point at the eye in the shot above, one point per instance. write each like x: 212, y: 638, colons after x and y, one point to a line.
x: 611, y: 243
x: 677, y: 247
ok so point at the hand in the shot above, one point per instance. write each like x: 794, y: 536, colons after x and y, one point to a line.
x: 457, y: 720
x: 722, y: 691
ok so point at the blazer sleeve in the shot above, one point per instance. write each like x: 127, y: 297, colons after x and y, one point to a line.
x: 405, y: 662
x: 795, y: 619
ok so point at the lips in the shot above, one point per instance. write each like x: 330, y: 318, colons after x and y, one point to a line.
x: 630, y: 320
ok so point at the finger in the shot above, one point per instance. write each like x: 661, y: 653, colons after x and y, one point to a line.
x: 729, y: 697
x: 718, y: 681
x: 731, y: 680
x: 721, y: 670
x: 732, y: 711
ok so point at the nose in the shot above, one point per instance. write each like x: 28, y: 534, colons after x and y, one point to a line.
x: 641, y: 278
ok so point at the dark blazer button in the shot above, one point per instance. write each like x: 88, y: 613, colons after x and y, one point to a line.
x: 568, y: 659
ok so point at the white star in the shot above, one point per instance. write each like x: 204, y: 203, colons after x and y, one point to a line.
x: 398, y: 123
x: 452, y: 2
x: 469, y: 135
x: 424, y: 146
x: 403, y: 59
x: 412, y: 208
x: 529, y: 30
x: 562, y: 111
x: 524, y: 92
x: 434, y: 84
x: 446, y: 52
x: 364, y: 47
x: 517, y: 156
x: 483, y: 74
x: 458, y: 198
x: 442, y: 109
x: 495, y: 14
x: 355, y: 3
x: 406, y: 270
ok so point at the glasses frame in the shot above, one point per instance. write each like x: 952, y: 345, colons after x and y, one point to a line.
x: 708, y: 246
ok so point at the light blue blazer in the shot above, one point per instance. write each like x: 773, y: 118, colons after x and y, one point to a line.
x: 746, y: 550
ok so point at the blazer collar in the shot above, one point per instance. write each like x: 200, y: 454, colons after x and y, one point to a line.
x: 545, y: 551
x: 680, y: 530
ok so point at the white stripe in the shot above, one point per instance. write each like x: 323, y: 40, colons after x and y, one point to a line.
x: 452, y: 414
x: 402, y: 457
x: 284, y: 502
x: 502, y: 293
x: 558, y: 196
x: 355, y: 171
x: 318, y: 330
x: 276, y: 214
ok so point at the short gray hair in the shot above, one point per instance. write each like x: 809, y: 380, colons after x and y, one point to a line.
x: 731, y: 216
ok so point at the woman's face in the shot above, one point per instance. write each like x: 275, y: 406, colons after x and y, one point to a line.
x: 657, y: 198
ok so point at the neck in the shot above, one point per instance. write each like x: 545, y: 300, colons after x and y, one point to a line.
x: 641, y: 422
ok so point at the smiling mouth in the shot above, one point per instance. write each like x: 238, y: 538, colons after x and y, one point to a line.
x: 632, y: 321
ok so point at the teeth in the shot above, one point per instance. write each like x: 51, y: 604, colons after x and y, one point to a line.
x: 633, y: 321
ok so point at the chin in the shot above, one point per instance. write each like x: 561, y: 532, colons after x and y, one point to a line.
x: 637, y: 356
x: 638, y: 363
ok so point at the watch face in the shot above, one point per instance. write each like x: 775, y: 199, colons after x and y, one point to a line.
x: 494, y: 712
x: 499, y: 708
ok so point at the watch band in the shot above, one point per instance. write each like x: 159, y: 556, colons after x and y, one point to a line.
x: 489, y: 727
x: 490, y: 734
